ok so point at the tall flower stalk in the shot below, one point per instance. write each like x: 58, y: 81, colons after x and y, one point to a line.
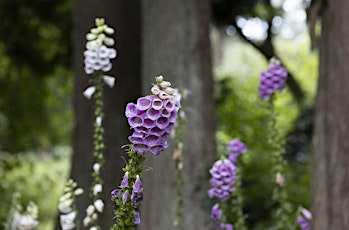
x: 272, y: 80
x: 98, y: 55
x: 226, y: 186
x: 152, y: 119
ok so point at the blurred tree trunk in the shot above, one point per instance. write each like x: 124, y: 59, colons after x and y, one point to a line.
x: 124, y: 17
x: 330, y: 185
x: 175, y: 44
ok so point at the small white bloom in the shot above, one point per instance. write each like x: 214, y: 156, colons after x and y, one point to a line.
x: 96, y: 167
x: 68, y: 218
x: 108, y: 30
x: 99, y: 121
x: 93, y: 228
x: 307, y: 214
x: 65, y: 206
x: 99, y: 205
x: 27, y: 222
x: 109, y: 41
x: 112, y: 53
x: 78, y: 191
x: 90, y: 209
x: 66, y: 196
x: 86, y: 221
x: 89, y: 92
x: 155, y: 90
x: 109, y: 80
x: 90, y: 36
x: 97, y: 189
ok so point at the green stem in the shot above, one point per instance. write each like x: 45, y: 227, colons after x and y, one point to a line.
x: 125, y: 213
x: 237, y: 204
x: 278, y: 164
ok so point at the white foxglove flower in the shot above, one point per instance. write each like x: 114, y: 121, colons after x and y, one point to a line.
x: 99, y: 121
x: 109, y: 80
x: 68, y: 221
x: 65, y: 206
x: 99, y: 205
x: 86, y: 221
x: 96, y: 167
x: 97, y: 189
x: 109, y: 41
x: 90, y: 209
x: 93, y: 228
x: 78, y: 191
x: 89, y: 92
x: 27, y: 222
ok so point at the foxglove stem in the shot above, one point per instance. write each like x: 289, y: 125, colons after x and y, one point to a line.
x: 97, y: 139
x: 237, y: 204
x: 125, y: 214
x: 279, y: 194
x: 178, y: 160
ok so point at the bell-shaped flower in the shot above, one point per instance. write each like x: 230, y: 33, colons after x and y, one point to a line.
x: 124, y: 182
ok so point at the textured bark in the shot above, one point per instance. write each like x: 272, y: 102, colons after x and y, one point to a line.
x: 124, y: 17
x: 330, y: 196
x: 175, y: 43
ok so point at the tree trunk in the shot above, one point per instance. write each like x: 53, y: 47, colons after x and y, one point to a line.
x: 124, y: 17
x: 175, y: 44
x: 330, y: 196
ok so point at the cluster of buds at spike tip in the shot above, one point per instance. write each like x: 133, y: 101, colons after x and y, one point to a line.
x: 67, y: 206
x: 272, y: 80
x: 98, y: 54
x: 153, y: 117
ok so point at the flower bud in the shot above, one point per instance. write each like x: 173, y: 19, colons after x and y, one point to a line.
x: 90, y: 36
x: 159, y: 79
x: 108, y: 30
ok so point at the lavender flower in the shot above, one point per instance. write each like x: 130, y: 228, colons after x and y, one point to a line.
x: 303, y: 223
x: 236, y: 148
x: 225, y: 226
x: 272, y: 80
x: 223, y: 174
x: 216, y: 213
x: 153, y: 118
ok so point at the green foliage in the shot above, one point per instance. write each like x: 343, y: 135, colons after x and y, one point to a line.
x: 241, y: 114
x: 37, y: 177
x: 34, y: 80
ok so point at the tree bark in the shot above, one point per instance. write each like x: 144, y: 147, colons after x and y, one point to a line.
x: 175, y: 44
x: 124, y: 17
x: 330, y: 197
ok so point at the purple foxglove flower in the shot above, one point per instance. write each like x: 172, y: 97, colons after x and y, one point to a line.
x: 236, y: 148
x: 144, y: 103
x: 272, y: 80
x: 115, y: 194
x: 154, y: 117
x: 303, y: 223
x: 137, y: 186
x: 124, y: 197
x: 216, y: 213
x: 226, y: 226
x: 137, y: 218
x: 124, y: 182
x: 223, y: 174
x: 131, y: 110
